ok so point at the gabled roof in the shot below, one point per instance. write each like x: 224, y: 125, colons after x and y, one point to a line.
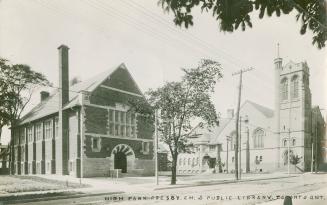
x: 51, y: 104
x: 264, y: 110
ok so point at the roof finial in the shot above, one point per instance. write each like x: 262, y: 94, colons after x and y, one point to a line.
x: 277, y: 50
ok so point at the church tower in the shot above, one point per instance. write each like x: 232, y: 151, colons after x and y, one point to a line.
x: 292, y: 112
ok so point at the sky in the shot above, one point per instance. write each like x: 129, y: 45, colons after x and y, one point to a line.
x: 102, y: 34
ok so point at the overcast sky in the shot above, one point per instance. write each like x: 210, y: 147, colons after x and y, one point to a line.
x: 102, y: 34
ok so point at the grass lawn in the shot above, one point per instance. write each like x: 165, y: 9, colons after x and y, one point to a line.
x: 12, y: 184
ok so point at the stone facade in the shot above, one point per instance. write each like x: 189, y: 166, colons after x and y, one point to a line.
x: 266, y: 135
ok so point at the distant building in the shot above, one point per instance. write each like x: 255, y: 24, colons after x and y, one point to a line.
x: 267, y: 134
x: 4, y: 159
x: 86, y: 129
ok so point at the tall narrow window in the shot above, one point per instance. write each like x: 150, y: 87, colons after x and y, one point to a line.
x: 48, y: 129
x: 38, y: 132
x: 56, y: 127
x: 30, y: 134
x: 284, y: 89
x: 258, y: 138
x: 295, y: 87
x: 22, y: 136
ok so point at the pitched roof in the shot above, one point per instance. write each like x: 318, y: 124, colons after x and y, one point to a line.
x: 264, y: 110
x: 51, y: 104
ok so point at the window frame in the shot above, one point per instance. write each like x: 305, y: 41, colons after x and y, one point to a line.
x: 98, y: 144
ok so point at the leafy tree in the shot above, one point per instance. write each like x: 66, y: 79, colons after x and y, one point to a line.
x: 17, y: 83
x: 180, y: 102
x: 232, y: 14
x: 295, y: 159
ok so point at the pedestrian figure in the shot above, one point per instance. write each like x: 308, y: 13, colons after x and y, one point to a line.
x: 288, y: 200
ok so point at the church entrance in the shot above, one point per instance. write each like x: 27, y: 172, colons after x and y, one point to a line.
x: 120, y: 162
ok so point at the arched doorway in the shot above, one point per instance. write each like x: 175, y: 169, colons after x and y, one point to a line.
x: 123, y: 157
x: 120, y: 161
x: 285, y: 156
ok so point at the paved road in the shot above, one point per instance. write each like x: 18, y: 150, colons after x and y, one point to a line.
x: 254, y: 192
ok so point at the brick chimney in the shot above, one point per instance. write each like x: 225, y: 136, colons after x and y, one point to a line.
x: 61, y: 157
x: 44, y: 95
x: 63, y: 75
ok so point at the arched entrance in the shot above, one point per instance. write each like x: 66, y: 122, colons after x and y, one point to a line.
x: 123, y: 157
x: 120, y: 162
x: 285, y: 156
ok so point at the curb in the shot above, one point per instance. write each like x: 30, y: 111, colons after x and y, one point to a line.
x: 49, y: 198
x: 208, y: 183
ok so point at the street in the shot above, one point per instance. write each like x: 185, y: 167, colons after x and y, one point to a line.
x: 305, y: 189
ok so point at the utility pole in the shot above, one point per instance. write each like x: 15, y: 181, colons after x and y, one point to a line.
x: 311, y: 143
x: 227, y: 139
x: 156, y: 146
x: 288, y: 151
x: 316, y: 150
x: 240, y: 144
x: 237, y: 117
x: 247, y: 151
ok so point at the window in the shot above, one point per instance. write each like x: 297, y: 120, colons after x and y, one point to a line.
x: 38, y: 132
x: 48, y: 129
x: 189, y: 161
x: 233, y: 158
x: 30, y: 137
x: 145, y: 147
x: 212, y: 148
x: 260, y: 158
x: 258, y: 138
x: 295, y: 87
x: 180, y: 162
x: 70, y: 166
x: 122, y: 123
x: 56, y: 127
x: 96, y: 144
x: 22, y: 136
x: 22, y: 151
x: 193, y: 161
x: 197, y: 160
x: 293, y: 142
x: 284, y: 89
x: 285, y: 143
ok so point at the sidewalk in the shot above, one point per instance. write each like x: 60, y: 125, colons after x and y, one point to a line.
x: 108, y: 186
x: 132, y: 184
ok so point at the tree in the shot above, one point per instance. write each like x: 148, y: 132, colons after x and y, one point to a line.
x: 231, y: 14
x: 17, y: 83
x: 295, y: 159
x: 180, y: 102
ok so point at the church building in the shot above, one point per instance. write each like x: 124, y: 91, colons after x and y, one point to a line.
x: 266, y: 135
x: 85, y: 130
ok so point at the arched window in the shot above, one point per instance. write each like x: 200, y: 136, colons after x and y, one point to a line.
x: 284, y: 89
x: 284, y: 142
x: 293, y: 142
x: 184, y: 162
x: 258, y: 138
x: 295, y: 87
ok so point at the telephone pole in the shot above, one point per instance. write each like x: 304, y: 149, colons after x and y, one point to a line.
x: 156, y: 146
x: 240, y: 72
